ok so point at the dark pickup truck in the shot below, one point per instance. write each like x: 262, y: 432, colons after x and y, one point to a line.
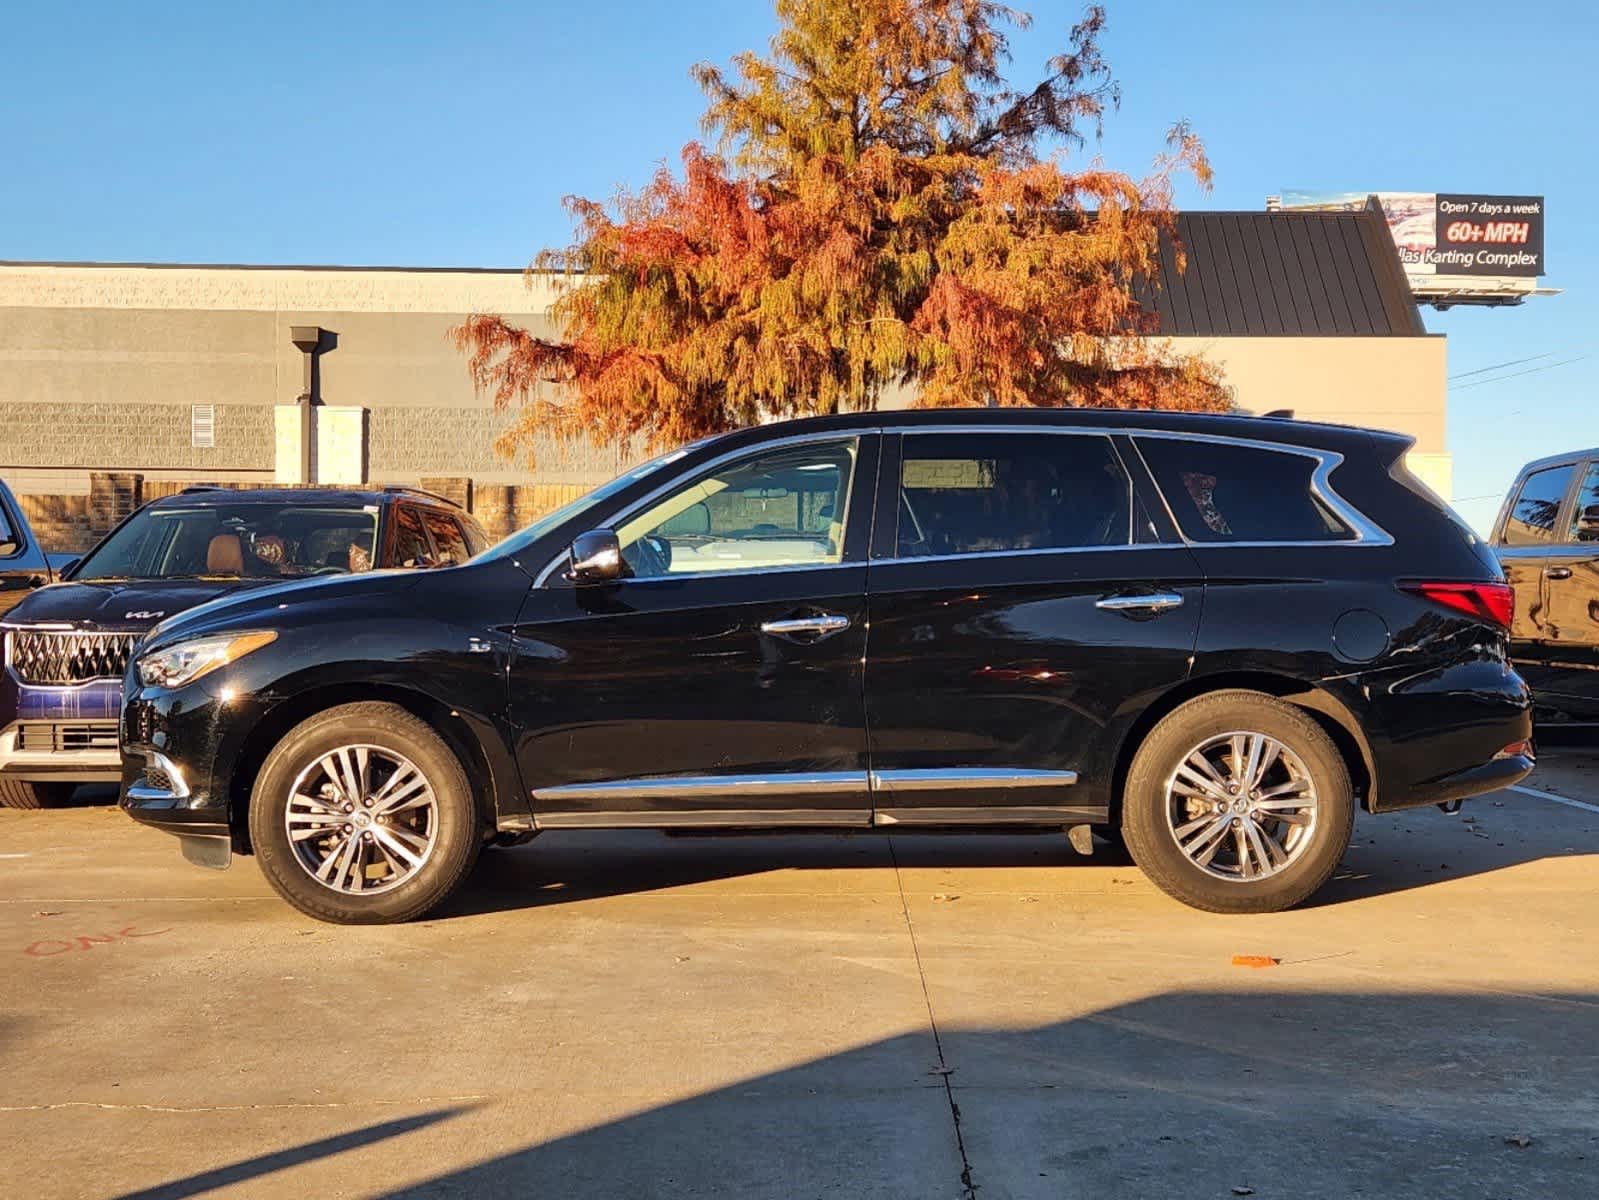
x: 1547, y: 539
x: 24, y: 563
x: 67, y: 643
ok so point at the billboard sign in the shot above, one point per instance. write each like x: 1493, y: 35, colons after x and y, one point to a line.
x: 1450, y: 233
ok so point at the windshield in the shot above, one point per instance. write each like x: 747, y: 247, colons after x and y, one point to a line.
x: 237, y: 541
x: 524, y: 538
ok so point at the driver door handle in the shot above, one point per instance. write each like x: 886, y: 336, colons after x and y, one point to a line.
x: 822, y: 626
x: 1151, y: 602
x: 1558, y: 572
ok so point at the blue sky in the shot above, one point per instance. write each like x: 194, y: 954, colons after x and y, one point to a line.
x: 446, y: 134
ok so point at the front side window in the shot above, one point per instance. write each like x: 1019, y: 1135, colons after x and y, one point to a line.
x: 781, y: 508
x: 1537, y: 508
x: 981, y: 493
x: 1225, y: 492
x: 9, y: 542
x: 249, y: 540
x: 1585, y: 520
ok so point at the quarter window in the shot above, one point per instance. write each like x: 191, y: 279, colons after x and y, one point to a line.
x: 983, y: 493
x: 1537, y: 508
x: 1585, y: 520
x: 784, y: 508
x: 1224, y: 492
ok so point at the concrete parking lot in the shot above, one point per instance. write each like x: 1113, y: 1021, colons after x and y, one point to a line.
x: 634, y: 1015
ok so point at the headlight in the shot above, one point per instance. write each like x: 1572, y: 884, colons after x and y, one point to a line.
x: 179, y: 665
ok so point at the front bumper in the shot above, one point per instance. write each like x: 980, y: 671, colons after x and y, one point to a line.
x: 168, y: 753
x: 29, y: 752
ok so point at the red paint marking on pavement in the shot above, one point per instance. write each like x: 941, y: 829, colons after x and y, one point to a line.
x: 50, y: 947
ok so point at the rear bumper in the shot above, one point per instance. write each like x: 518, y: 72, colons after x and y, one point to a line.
x: 1448, y: 734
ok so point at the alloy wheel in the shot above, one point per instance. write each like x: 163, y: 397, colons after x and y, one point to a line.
x: 1241, y: 806
x: 362, y: 819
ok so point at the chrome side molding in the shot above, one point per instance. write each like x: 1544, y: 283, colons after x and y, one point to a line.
x: 660, y: 787
x: 941, y: 779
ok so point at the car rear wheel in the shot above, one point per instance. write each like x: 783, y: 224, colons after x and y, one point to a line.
x: 1237, y: 802
x: 19, y: 793
x: 362, y: 815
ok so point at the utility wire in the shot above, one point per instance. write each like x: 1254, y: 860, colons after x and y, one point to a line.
x: 1515, y: 362
x: 1565, y: 362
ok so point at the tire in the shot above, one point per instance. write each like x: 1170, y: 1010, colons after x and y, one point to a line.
x: 1307, y: 772
x: 433, y: 826
x: 17, y: 793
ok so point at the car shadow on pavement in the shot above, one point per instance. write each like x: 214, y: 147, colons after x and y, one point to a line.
x: 1389, y: 854
x: 1195, y: 1093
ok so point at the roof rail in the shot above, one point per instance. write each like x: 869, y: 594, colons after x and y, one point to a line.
x: 202, y: 487
x: 416, y: 491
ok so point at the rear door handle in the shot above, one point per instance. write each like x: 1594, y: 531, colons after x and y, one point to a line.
x: 821, y: 626
x: 1558, y: 572
x: 1150, y: 602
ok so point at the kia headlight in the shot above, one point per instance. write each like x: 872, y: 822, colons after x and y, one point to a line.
x: 180, y: 665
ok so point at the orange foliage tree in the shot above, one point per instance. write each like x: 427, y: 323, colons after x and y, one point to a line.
x: 883, y: 209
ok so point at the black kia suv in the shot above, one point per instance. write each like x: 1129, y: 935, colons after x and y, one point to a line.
x: 1211, y: 636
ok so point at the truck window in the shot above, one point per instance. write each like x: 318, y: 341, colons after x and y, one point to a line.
x: 1585, y: 520
x: 1537, y: 506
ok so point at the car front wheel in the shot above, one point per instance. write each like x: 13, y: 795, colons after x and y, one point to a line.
x: 1238, y: 803
x: 363, y: 815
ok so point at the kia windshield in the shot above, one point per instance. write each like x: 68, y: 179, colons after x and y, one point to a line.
x: 237, y: 541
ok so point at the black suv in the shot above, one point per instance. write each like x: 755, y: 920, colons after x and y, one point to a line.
x: 1213, y: 636
x: 66, y: 647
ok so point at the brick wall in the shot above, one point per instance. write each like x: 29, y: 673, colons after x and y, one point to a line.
x: 119, y: 434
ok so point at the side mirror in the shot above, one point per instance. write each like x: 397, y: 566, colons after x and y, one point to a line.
x: 595, y: 557
x: 63, y: 568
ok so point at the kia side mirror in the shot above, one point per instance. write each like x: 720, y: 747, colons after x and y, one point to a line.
x: 595, y: 557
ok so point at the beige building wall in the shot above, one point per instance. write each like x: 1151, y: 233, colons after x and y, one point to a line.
x: 1397, y: 383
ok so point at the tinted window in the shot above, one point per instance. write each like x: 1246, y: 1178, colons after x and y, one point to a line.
x: 1223, y: 492
x: 975, y: 493
x: 447, y: 540
x: 247, y: 540
x: 9, y: 542
x: 411, y: 547
x: 782, y: 508
x: 1537, y: 507
x: 1585, y: 521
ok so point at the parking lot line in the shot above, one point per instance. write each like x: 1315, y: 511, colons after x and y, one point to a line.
x: 1527, y: 791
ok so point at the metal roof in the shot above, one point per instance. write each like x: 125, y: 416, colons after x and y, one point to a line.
x: 1282, y: 274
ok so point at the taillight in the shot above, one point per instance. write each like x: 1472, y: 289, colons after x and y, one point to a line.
x: 1494, y: 602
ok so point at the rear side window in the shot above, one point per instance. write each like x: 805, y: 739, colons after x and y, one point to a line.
x: 981, y: 493
x: 411, y: 547
x: 1585, y: 521
x: 447, y: 539
x: 1537, y: 508
x: 1223, y: 492
x: 9, y: 542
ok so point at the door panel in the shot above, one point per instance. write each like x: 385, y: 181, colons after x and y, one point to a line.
x: 1531, y: 543
x: 723, y: 682
x: 1568, y: 675
x: 1008, y: 663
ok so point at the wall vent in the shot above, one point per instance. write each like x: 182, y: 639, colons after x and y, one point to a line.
x: 202, y: 426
